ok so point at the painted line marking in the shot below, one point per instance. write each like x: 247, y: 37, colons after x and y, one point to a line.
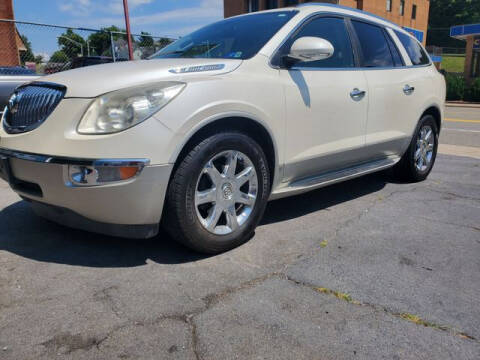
x: 463, y: 121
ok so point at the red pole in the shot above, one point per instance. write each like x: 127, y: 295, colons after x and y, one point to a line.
x: 127, y: 24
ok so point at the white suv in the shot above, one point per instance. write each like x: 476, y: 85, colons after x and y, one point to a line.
x: 252, y: 108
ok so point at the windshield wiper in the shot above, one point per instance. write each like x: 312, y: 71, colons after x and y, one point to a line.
x: 173, y: 52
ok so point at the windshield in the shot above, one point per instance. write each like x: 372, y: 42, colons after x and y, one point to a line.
x: 236, y: 38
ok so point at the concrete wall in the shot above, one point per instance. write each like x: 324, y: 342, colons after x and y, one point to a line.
x: 8, y: 44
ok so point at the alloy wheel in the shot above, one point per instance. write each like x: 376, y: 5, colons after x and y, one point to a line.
x: 424, y: 149
x: 226, y: 192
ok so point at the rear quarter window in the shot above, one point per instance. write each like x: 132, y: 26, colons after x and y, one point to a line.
x: 415, y: 51
x: 373, y: 45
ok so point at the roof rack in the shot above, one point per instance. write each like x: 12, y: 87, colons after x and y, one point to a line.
x: 347, y: 8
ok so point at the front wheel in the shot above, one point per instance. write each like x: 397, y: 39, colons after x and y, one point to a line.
x: 418, y: 160
x: 218, y: 193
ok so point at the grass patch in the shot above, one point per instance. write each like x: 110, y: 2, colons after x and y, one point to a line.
x: 453, y: 63
x: 405, y: 316
x: 419, y: 321
x: 337, y: 294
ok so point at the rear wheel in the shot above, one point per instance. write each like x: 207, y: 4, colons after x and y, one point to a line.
x: 418, y: 160
x: 218, y: 193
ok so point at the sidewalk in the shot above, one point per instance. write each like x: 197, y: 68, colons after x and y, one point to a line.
x: 462, y: 104
x: 457, y: 150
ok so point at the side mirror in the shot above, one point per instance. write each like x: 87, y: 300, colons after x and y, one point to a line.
x: 310, y: 48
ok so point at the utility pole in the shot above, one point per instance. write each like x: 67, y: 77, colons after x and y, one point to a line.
x: 127, y: 24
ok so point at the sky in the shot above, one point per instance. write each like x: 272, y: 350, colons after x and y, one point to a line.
x: 172, y: 18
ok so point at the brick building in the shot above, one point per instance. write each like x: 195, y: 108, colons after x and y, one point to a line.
x: 410, y: 14
x: 9, y: 55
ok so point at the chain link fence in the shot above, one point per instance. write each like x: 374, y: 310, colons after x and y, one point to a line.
x: 46, y: 49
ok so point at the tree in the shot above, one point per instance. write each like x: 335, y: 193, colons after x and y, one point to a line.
x: 164, y: 42
x: 447, y: 13
x: 145, y: 40
x: 59, y: 57
x: 101, y: 40
x: 28, y: 54
x: 38, y: 59
x: 71, y: 44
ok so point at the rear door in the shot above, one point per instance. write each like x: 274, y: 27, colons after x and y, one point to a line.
x: 326, y: 104
x: 386, y: 76
x: 390, y: 104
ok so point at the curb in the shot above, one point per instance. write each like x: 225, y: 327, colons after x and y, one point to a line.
x: 463, y: 105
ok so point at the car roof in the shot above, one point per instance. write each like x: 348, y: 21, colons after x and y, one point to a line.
x: 311, y: 8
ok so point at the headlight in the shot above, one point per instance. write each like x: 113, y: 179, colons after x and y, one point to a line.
x: 122, y: 109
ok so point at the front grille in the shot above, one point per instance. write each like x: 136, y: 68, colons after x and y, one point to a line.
x: 30, y: 105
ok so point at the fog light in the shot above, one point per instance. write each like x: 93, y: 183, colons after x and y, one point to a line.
x: 82, y: 175
x: 102, y: 173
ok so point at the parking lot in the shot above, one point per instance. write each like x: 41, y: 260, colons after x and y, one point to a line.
x: 367, y: 269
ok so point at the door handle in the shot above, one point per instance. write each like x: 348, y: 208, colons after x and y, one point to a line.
x: 408, y: 90
x: 357, y: 94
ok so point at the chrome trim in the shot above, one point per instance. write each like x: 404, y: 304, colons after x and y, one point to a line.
x: 199, y: 68
x: 46, y: 108
x: 60, y: 160
x: 408, y: 90
x: 358, y: 68
x: 357, y: 94
x: 330, y: 178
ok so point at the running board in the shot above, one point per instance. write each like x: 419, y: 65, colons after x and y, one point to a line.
x: 315, y: 182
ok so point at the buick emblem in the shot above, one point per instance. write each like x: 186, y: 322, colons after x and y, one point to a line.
x: 13, y: 102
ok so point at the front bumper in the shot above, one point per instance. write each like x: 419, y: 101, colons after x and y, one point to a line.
x: 116, y: 209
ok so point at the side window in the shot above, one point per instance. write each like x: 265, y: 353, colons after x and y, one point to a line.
x: 332, y: 29
x: 413, y: 48
x: 397, y: 59
x: 373, y: 44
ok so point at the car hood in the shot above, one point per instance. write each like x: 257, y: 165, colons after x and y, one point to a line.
x: 96, y: 80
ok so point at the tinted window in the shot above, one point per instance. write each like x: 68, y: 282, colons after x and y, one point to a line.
x: 333, y: 30
x: 236, y: 38
x: 375, y: 50
x: 413, y: 48
x: 397, y: 59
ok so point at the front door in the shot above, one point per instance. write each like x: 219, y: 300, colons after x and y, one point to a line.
x: 326, y: 105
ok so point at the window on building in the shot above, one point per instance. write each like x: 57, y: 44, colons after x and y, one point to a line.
x: 414, y: 11
x: 333, y: 30
x: 252, y: 5
x: 272, y: 4
x: 402, y: 7
x: 415, y: 51
x: 389, y: 5
x: 373, y: 45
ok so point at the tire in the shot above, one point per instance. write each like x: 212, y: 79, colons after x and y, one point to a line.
x: 194, y: 223
x: 408, y: 168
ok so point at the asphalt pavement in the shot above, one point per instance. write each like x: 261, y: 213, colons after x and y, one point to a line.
x: 367, y: 269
